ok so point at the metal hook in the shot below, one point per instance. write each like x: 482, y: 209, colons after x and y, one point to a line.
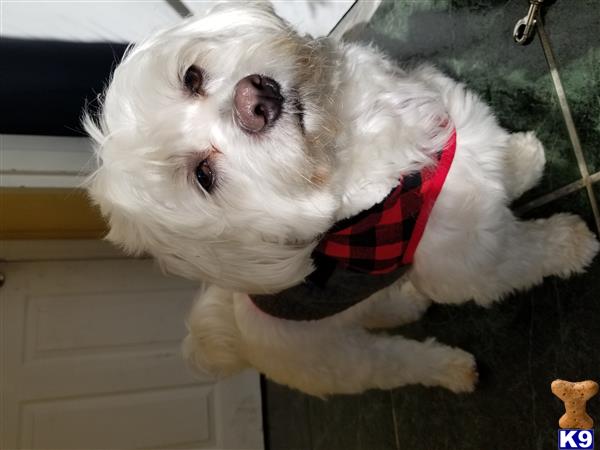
x: 524, y: 29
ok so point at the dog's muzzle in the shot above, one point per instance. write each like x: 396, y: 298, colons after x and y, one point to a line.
x: 257, y: 103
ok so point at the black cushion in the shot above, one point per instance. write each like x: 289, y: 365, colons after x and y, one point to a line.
x: 44, y: 85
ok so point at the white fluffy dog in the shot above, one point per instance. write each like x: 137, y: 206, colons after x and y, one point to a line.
x: 229, y: 144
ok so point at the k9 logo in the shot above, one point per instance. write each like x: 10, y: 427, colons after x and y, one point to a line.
x: 575, y: 439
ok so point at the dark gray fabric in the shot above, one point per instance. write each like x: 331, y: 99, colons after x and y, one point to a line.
x: 325, y: 292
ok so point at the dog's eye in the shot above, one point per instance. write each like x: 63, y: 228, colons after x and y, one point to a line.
x: 205, y: 175
x: 193, y: 80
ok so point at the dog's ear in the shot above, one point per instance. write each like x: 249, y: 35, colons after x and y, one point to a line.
x: 124, y: 231
x: 126, y: 234
x: 261, y: 12
x: 263, y: 5
x: 109, y: 195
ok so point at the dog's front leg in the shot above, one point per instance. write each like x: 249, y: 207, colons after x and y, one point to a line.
x: 214, y: 344
x: 329, y: 356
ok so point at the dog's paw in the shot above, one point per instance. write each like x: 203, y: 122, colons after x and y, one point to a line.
x: 458, y: 372
x: 577, y: 244
x: 529, y: 151
x: 526, y: 160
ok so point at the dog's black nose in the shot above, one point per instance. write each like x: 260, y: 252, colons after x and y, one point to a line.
x: 257, y: 102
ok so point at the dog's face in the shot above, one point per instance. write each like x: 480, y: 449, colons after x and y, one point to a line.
x: 216, y: 144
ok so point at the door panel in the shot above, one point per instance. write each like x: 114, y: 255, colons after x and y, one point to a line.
x: 128, y: 420
x: 91, y: 359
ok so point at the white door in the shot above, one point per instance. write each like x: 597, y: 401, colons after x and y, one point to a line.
x: 90, y: 359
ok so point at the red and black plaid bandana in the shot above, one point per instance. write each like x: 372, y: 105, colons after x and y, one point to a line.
x: 366, y: 253
x: 385, y: 237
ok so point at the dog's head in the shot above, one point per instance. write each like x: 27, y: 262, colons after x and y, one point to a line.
x: 215, y: 146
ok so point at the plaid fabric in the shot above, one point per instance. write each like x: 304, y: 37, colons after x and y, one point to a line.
x: 385, y: 237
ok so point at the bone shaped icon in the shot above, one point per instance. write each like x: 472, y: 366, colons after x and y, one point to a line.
x: 575, y: 396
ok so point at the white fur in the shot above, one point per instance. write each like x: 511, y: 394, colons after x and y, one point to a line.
x: 366, y: 122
